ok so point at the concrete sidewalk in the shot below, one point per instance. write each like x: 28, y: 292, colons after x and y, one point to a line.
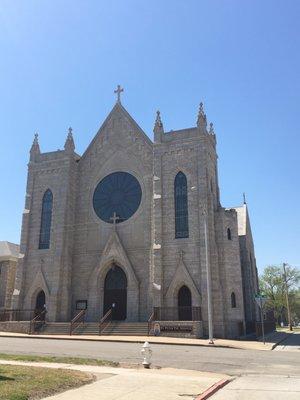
x: 258, y: 387
x: 134, y: 384
x: 272, y: 340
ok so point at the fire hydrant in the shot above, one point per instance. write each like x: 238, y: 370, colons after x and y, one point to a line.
x: 146, y: 352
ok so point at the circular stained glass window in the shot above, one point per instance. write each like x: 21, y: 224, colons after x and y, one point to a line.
x: 117, y: 195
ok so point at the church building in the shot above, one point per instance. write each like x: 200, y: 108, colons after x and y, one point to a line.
x: 135, y: 226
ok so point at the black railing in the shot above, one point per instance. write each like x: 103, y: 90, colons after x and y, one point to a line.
x: 37, y: 322
x: 105, y: 320
x: 78, y: 320
x: 177, y: 314
x: 17, y: 315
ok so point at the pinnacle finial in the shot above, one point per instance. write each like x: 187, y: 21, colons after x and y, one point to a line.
x: 211, y: 129
x: 158, y: 118
x: 201, y: 121
x: 158, y: 126
x: 244, y: 198
x: 35, y: 148
x: 69, y: 143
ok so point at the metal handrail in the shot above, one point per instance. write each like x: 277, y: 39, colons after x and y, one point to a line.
x: 151, y: 318
x: 106, y: 319
x: 36, y: 319
x: 74, y: 324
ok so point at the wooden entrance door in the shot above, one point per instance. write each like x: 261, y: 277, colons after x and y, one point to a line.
x: 184, y: 304
x: 115, y: 293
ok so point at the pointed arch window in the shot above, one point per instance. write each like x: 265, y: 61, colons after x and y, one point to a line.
x: 229, y: 234
x: 46, y: 218
x: 233, y: 300
x: 181, y: 206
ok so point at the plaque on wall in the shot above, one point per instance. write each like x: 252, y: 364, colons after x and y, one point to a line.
x: 81, y: 304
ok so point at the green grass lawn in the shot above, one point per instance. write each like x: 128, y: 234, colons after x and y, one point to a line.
x: 24, y: 383
x: 53, y: 359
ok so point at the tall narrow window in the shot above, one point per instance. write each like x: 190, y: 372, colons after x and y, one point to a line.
x: 181, y: 206
x: 233, y: 300
x: 228, y: 234
x: 46, y: 218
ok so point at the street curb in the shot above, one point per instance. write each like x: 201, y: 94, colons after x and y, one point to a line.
x: 213, y: 389
x: 150, y: 339
x: 117, y: 341
x: 280, y: 341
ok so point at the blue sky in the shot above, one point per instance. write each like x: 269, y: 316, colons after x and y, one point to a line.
x: 61, y: 60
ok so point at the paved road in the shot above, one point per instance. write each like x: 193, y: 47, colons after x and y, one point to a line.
x: 228, y: 361
x: 292, y: 343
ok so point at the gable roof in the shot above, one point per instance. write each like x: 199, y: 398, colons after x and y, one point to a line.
x: 9, y: 250
x: 118, y: 108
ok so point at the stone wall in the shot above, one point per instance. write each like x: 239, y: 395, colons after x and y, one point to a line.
x: 7, y: 281
x: 15, y: 326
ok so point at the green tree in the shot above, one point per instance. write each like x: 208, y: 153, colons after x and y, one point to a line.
x: 272, y: 285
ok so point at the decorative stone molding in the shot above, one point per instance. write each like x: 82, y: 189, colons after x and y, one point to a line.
x: 113, y: 253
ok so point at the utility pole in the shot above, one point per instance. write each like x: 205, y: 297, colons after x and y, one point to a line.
x: 287, y: 297
x: 208, y: 283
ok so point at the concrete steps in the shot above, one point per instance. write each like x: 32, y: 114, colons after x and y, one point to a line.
x: 89, y: 328
x: 56, y: 328
x: 115, y: 328
x: 126, y: 329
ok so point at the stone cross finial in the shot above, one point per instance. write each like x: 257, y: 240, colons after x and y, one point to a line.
x: 70, y: 131
x: 118, y: 91
x: 114, y: 220
x: 181, y: 254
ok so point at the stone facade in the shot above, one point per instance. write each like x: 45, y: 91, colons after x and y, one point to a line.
x: 9, y: 253
x: 83, y: 247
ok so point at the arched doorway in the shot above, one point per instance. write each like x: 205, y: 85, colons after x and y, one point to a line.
x: 184, y: 304
x: 40, y: 303
x: 115, y: 293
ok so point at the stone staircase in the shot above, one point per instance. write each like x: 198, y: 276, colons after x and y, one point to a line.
x: 115, y: 328
x: 55, y: 328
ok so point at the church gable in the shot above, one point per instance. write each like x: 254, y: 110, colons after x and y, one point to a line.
x: 119, y: 130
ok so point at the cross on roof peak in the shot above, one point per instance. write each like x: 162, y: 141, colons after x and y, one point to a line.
x: 118, y: 91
